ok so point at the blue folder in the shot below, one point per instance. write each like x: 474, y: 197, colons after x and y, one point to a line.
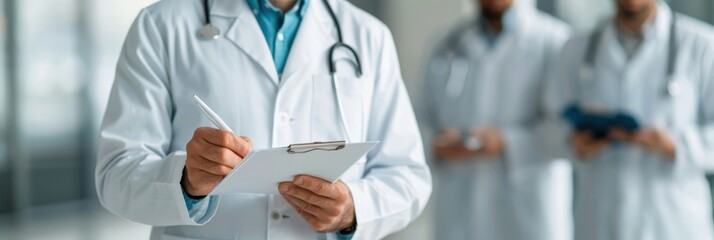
x: 599, y: 122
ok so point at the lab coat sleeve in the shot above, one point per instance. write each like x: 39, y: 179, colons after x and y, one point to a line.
x: 397, y: 183
x: 136, y: 175
x: 521, y: 140
x: 551, y: 136
x: 695, y: 143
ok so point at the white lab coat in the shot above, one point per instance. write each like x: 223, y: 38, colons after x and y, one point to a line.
x: 151, y: 116
x: 627, y: 192
x: 520, y: 195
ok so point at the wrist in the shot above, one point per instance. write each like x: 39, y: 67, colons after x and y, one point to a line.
x: 348, y: 220
x: 350, y: 229
x: 186, y: 187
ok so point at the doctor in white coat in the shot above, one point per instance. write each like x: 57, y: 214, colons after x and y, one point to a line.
x: 156, y: 162
x: 660, y: 69
x: 485, y: 80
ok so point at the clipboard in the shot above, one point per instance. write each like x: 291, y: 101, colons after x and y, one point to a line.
x: 262, y: 170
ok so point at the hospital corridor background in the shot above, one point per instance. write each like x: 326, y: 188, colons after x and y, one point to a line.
x: 57, y: 64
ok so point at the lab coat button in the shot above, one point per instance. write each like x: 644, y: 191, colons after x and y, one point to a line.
x: 285, y: 118
x: 275, y: 216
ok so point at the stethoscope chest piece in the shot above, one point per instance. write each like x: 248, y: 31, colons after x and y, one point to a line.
x: 209, y: 32
x: 674, y: 88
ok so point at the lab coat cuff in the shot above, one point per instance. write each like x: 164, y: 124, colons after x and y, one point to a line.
x: 362, y: 215
x: 199, y: 213
x: 198, y: 209
x: 683, y: 163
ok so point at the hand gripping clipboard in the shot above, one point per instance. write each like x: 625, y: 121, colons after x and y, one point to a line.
x: 262, y: 170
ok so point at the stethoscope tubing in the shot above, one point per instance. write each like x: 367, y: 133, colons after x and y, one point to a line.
x: 208, y: 31
x: 587, y: 69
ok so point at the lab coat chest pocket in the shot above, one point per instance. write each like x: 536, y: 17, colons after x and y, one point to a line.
x: 337, y: 102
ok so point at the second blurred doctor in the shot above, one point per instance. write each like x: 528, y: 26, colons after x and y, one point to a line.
x: 657, y: 66
x: 483, y: 100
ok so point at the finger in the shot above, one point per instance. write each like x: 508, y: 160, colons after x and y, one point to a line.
x: 620, y: 134
x: 247, y: 140
x: 454, y: 152
x: 448, y: 136
x: 645, y: 138
x: 209, y: 166
x: 305, y: 195
x: 643, y: 141
x: 218, y: 154
x: 449, y: 131
x: 588, y: 148
x: 310, y: 208
x: 595, y: 147
x: 579, y: 140
x: 477, y: 132
x: 206, y: 177
x: 225, y: 139
x: 201, y: 182
x: 314, y: 222
x: 490, y: 141
x: 660, y: 136
x: 580, y: 137
x: 317, y: 185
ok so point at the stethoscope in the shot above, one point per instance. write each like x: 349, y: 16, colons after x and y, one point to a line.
x: 210, y: 32
x: 586, y: 73
x: 458, y: 69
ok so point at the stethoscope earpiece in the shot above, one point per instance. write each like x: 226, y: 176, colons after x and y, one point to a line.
x: 209, y: 32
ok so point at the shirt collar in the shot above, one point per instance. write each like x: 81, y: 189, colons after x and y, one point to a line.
x: 262, y: 5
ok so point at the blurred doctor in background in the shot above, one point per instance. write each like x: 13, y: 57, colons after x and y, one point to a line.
x: 647, y: 183
x: 482, y: 90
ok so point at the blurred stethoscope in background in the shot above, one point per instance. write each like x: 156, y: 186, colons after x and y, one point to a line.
x: 451, y: 61
x: 454, y: 61
x: 453, y: 54
x: 211, y: 32
x: 587, y: 73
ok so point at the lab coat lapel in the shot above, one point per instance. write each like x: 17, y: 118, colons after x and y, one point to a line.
x: 614, y: 56
x: 246, y: 34
x: 649, y: 64
x: 476, y: 46
x: 516, y: 24
x: 313, y: 39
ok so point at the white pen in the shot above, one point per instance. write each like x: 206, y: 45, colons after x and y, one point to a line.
x: 211, y: 114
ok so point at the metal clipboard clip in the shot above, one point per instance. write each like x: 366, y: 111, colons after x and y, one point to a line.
x: 322, y: 146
